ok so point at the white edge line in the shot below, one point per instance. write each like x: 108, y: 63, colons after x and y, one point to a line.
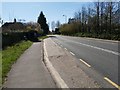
x: 65, y: 48
x: 85, y: 63
x: 111, y: 82
x: 54, y: 73
x: 61, y: 45
x: 72, y: 53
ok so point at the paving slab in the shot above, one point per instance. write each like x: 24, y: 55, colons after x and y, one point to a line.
x: 64, y: 63
x: 29, y: 71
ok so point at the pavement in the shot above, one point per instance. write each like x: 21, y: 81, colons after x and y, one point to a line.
x: 29, y: 71
x: 70, y: 75
x: 101, y: 55
x: 55, y: 64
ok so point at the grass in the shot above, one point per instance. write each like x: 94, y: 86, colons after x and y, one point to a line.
x: 11, y: 54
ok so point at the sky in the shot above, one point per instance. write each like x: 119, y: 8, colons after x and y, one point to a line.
x: 30, y: 11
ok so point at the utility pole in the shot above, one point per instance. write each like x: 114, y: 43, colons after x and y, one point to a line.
x: 65, y: 18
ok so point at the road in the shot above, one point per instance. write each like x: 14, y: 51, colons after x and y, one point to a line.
x: 101, y: 55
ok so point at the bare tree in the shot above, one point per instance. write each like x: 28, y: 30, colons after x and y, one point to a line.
x: 97, y: 5
x: 84, y: 18
x: 58, y: 24
x: 89, y: 19
x: 77, y: 16
x: 101, y: 16
x: 53, y: 25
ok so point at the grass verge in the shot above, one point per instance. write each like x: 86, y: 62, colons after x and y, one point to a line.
x: 11, y: 54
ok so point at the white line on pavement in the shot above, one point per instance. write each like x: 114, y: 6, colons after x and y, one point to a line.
x: 111, y: 82
x: 59, y: 81
x: 113, y: 52
x: 61, y: 45
x: 106, y: 50
x: 72, y: 53
x: 65, y: 48
x: 85, y: 63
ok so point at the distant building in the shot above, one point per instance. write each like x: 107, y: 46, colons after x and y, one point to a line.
x: 12, y: 27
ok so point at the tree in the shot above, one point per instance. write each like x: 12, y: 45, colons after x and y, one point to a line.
x: 53, y: 25
x: 97, y: 6
x: 58, y: 24
x: 15, y: 20
x: 57, y: 27
x: 111, y: 11
x: 42, y: 21
x: 1, y: 21
x: 89, y: 19
x: 100, y: 21
x: 84, y: 19
x: 101, y: 16
x: 77, y: 16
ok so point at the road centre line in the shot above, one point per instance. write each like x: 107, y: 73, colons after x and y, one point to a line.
x: 72, y: 53
x: 113, y: 52
x: 109, y: 41
x: 111, y: 82
x: 85, y: 63
x: 106, y: 50
x: 116, y: 53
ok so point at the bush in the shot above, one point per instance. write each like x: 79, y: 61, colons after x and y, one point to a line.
x: 70, y: 29
x: 74, y: 29
x: 9, y: 39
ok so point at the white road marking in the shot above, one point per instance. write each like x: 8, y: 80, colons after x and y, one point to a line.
x: 106, y: 50
x: 65, y: 48
x: 61, y: 45
x: 85, y: 63
x: 111, y: 82
x: 59, y: 81
x: 72, y: 53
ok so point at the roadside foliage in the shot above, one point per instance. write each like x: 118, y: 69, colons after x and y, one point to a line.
x: 98, y: 21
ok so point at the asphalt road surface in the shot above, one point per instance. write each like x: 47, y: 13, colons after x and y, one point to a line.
x: 101, y: 55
